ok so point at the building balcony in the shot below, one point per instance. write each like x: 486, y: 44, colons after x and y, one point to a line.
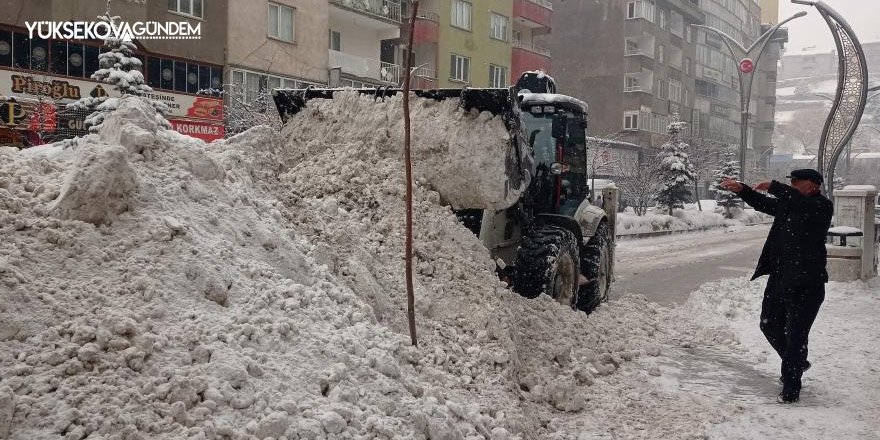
x: 386, y: 10
x: 424, y: 78
x: 427, y: 28
x: 365, y: 68
x: 531, y: 47
x: 535, y: 14
x: 527, y: 57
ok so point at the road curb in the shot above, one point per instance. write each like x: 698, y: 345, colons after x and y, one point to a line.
x: 678, y: 231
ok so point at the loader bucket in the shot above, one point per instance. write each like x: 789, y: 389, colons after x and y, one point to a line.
x: 496, y: 101
x: 501, y: 182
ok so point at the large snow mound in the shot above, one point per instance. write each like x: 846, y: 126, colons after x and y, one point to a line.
x: 162, y: 288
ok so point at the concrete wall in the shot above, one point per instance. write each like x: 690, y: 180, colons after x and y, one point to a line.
x: 248, y: 46
x: 476, y: 43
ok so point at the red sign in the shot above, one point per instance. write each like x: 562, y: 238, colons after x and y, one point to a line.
x: 206, y: 131
x: 747, y: 65
x: 206, y: 108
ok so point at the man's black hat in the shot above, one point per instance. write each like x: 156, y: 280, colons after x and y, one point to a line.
x: 807, y: 174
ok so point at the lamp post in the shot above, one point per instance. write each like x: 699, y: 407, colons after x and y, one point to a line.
x: 747, y: 64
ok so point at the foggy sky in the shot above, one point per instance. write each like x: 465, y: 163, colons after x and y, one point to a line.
x: 862, y: 15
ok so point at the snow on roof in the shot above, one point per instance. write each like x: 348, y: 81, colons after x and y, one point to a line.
x: 860, y: 188
x: 786, y: 91
x: 552, y: 98
x: 785, y: 116
x: 803, y: 157
x: 810, y: 51
x: 829, y: 86
x: 540, y: 74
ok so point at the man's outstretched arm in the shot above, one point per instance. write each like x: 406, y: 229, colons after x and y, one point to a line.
x: 760, y: 202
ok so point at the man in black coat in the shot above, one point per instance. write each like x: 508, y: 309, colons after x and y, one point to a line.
x: 794, y: 257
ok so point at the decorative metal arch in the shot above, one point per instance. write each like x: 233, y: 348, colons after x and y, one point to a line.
x: 751, y: 55
x: 852, y: 92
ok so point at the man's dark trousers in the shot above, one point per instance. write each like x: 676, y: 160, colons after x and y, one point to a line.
x: 787, y: 315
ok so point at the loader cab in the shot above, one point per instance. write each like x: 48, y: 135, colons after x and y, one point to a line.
x: 555, y: 126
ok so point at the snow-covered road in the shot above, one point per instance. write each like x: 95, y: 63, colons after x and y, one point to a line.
x: 666, y: 269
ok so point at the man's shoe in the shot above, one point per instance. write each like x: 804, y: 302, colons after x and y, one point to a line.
x: 787, y: 398
x: 806, y: 367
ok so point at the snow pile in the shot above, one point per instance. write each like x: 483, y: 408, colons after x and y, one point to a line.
x: 161, y: 288
x: 688, y: 219
x: 465, y: 156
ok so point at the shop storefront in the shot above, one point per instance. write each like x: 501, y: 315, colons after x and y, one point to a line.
x: 38, y: 78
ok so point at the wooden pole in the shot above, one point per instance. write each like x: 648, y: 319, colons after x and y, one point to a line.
x: 407, y: 129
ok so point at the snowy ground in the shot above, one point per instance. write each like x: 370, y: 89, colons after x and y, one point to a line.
x: 688, y: 219
x: 154, y: 287
x: 839, y: 399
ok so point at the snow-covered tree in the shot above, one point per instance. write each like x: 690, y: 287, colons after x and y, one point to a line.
x: 729, y: 169
x: 119, y: 68
x: 675, y: 171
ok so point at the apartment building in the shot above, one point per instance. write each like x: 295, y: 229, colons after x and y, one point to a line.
x: 39, y: 76
x: 765, y: 86
x: 283, y: 44
x: 717, y: 106
x: 632, y: 61
x: 458, y: 43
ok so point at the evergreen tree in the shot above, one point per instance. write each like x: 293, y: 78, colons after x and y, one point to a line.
x: 122, y: 70
x: 675, y: 169
x: 729, y: 169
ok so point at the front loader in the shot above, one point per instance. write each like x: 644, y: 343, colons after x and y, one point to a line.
x: 552, y: 240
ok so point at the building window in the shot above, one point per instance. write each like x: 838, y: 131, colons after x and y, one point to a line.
x: 661, y: 18
x: 163, y: 73
x: 461, y: 14
x: 251, y: 86
x: 497, y: 76
x: 687, y: 33
x: 631, y: 120
x: 640, y: 9
x: 632, y: 83
x: 674, y: 90
x: 281, y: 22
x: 460, y: 68
x: 687, y: 66
x: 661, y: 54
x: 188, y: 7
x: 632, y: 46
x: 18, y: 50
x: 662, y: 89
x: 498, y: 26
x: 335, y: 41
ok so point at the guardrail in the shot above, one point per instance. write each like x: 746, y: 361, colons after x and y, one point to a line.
x: 531, y: 48
x: 545, y: 3
x: 384, y: 9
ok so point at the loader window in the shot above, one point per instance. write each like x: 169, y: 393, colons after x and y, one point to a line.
x: 573, y: 182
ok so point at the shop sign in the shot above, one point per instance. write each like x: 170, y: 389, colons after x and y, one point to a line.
x: 205, y: 131
x: 66, y: 90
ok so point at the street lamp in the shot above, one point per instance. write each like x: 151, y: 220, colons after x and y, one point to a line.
x: 747, y: 65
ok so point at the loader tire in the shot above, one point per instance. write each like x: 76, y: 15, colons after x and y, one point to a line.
x: 597, y: 262
x: 547, y: 262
